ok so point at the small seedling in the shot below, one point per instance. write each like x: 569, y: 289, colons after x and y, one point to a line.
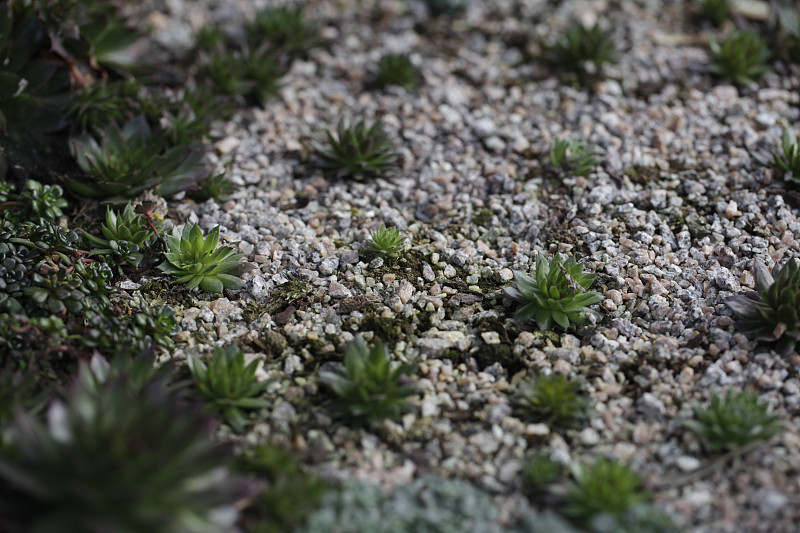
x: 386, y: 242
x: 228, y: 384
x: 357, y: 151
x: 572, y: 157
x: 732, y: 421
x: 606, y: 487
x: 771, y: 313
x: 583, y: 50
x: 740, y: 58
x: 126, y: 236
x: 369, y: 388
x: 557, y: 293
x: 716, y: 11
x: 538, y: 473
x: 789, y: 160
x: 198, y: 261
x: 551, y: 399
x: 283, y: 30
x: 395, y: 69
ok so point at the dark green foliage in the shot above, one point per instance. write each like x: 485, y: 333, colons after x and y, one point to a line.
x: 538, y: 473
x: 19, y: 390
x: 250, y: 75
x: 551, y: 399
x: 131, y: 333
x: 35, y: 201
x: 386, y: 242
x: 228, y: 384
x: 789, y: 160
x: 369, y: 388
x: 573, y: 157
x: 556, y: 294
x: 716, y: 11
x: 740, y: 58
x: 283, y: 30
x: 606, y: 487
x: 198, y: 262
x: 395, y: 69
x: 217, y: 187
x: 117, y: 455
x: 583, y: 50
x: 23, y: 338
x: 357, y: 151
x: 126, y: 236
x: 290, y: 494
x: 785, y: 23
x: 128, y: 160
x: 771, y: 312
x: 450, y: 8
x: 93, y: 107
x: 732, y: 421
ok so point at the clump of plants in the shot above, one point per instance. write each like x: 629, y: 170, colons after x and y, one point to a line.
x: 395, y: 69
x: 283, y: 30
x: 386, y: 242
x: 539, y: 472
x: 788, y: 159
x: 770, y: 313
x: 732, y: 421
x: 357, y: 151
x: 740, y: 58
x: 35, y: 201
x: 606, y: 487
x: 551, y: 399
x: 198, y: 262
x: 228, y: 384
x: 116, y: 456
x: 246, y: 75
x: 584, y: 50
x: 715, y: 11
x: 557, y: 293
x: 127, y: 236
x: 369, y: 388
x: 572, y: 156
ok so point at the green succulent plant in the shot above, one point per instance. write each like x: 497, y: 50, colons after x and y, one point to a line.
x: 199, y: 262
x: 770, y: 313
x: 35, y: 201
x: 606, y: 487
x: 247, y: 75
x: 732, y: 421
x: 450, y: 8
x: 217, y: 187
x: 583, y: 50
x: 395, y: 69
x: 126, y: 236
x: 369, y: 388
x: 132, y: 159
x: 357, y: 151
x: 557, y: 293
x: 572, y: 156
x: 716, y: 11
x: 283, y: 30
x: 116, y: 457
x: 551, y: 399
x: 741, y: 57
x: 789, y: 160
x: 538, y: 473
x: 386, y: 242
x: 228, y: 384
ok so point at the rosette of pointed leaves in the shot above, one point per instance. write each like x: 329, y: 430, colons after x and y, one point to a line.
x: 584, y: 49
x: 572, y: 155
x: 229, y: 385
x: 771, y: 313
x: 369, y: 388
x: 740, y: 58
x: 283, y: 30
x: 198, y: 262
x: 116, y: 455
x: 789, y: 159
x: 732, y: 421
x: 551, y: 399
x: 557, y: 292
x: 357, y: 151
x: 386, y: 242
x: 125, y: 235
x: 129, y: 160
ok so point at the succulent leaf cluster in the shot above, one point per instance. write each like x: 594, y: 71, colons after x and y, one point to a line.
x: 357, y: 151
x: 771, y: 312
x: 115, y: 456
x: 583, y: 49
x: 369, y: 388
x: 732, y: 421
x: 283, y: 30
x: 788, y: 159
x: 556, y: 293
x: 395, y: 69
x: 126, y: 236
x: 551, y: 399
x: 243, y: 75
x: 198, y: 262
x: 386, y: 242
x: 716, y: 11
x: 606, y: 487
x: 128, y: 160
x: 539, y: 472
x: 35, y: 201
x: 228, y: 384
x: 741, y: 57
x: 572, y: 156
x: 449, y: 8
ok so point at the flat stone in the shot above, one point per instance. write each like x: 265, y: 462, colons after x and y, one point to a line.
x: 337, y: 290
x: 405, y: 291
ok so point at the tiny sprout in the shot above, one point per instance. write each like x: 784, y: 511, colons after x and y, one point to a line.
x: 386, y: 242
x: 395, y: 69
x: 572, y: 156
x: 551, y: 399
x: 583, y: 50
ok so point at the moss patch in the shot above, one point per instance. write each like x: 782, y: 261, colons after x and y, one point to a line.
x: 284, y: 295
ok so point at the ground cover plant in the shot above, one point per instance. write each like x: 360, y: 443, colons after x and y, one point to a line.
x: 391, y: 356
x: 740, y: 57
